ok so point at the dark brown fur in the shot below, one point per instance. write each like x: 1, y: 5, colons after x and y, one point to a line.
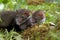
x: 7, y: 19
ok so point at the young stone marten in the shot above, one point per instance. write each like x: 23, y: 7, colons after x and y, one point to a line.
x: 22, y: 18
x: 38, y: 17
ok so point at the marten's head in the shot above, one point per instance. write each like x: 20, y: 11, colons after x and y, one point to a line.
x: 39, y: 16
x: 22, y: 15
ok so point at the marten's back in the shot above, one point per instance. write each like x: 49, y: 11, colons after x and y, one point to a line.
x: 6, y: 18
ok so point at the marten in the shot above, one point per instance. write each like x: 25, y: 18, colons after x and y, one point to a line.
x: 38, y: 17
x: 22, y: 18
x: 14, y: 19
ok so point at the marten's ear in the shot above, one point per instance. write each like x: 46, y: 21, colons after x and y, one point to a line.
x: 19, y: 10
